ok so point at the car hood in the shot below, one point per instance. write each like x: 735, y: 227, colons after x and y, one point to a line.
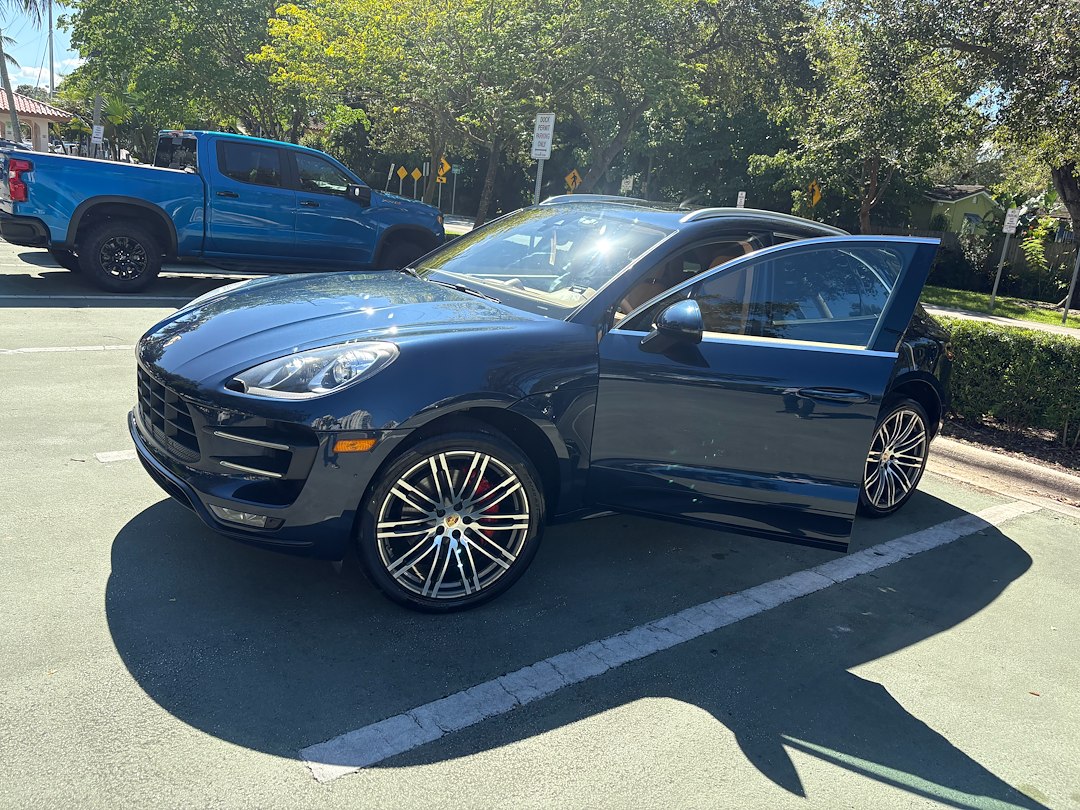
x: 259, y: 320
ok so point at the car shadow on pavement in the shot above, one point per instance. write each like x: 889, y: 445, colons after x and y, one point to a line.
x: 276, y: 653
x: 33, y: 289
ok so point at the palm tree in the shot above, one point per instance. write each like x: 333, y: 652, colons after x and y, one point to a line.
x: 36, y: 9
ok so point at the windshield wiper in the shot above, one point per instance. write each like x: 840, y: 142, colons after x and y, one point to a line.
x: 464, y: 289
x: 409, y: 272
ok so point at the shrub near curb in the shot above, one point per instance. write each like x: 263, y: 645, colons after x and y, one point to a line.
x: 1024, y: 378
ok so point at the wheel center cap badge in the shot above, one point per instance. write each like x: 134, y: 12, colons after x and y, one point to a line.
x: 452, y: 520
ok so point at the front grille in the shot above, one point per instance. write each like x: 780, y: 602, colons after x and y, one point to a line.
x: 166, y: 418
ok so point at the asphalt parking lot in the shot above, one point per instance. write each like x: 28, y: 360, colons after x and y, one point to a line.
x: 147, y: 662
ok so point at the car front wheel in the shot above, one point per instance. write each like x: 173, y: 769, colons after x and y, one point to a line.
x: 453, y: 522
x: 896, y: 459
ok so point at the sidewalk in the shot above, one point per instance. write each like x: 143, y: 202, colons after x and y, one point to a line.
x: 949, y: 312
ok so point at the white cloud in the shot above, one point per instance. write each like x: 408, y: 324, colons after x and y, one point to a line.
x: 40, y: 75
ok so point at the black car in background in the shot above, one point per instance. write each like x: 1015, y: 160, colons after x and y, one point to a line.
x: 731, y: 368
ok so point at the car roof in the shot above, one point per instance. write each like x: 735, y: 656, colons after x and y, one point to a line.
x: 669, y: 215
x: 234, y: 136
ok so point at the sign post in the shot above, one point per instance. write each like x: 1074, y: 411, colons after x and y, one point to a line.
x: 1072, y: 289
x: 741, y: 201
x: 453, y: 197
x: 543, y: 132
x: 1012, y: 217
x: 416, y: 175
x: 401, y: 172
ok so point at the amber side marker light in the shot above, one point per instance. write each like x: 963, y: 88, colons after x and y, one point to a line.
x: 354, y: 445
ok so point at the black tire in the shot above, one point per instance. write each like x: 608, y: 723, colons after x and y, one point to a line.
x: 481, y: 548
x: 66, y: 259
x: 399, y: 254
x: 120, y: 255
x: 896, y: 459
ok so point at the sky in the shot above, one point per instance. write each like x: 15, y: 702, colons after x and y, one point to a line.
x: 29, y: 49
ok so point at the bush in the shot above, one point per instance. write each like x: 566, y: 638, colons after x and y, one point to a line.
x: 1024, y: 378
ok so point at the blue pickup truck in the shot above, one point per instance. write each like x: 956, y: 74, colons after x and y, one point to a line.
x: 212, y: 198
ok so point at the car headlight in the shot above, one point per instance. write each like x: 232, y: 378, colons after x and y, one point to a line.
x: 316, y: 372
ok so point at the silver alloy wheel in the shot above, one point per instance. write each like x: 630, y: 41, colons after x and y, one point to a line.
x: 895, y: 461
x: 453, y: 524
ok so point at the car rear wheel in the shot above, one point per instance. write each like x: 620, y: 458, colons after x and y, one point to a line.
x: 66, y: 259
x: 896, y: 459
x: 453, y: 522
x: 120, y: 256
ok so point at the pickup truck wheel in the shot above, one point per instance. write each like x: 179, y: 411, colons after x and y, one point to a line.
x: 399, y: 254
x: 66, y: 259
x: 120, y: 256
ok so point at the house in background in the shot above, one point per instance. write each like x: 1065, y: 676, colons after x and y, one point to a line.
x: 34, y: 116
x: 958, y: 209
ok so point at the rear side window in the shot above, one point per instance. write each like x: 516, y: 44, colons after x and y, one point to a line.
x: 176, y: 152
x: 249, y: 163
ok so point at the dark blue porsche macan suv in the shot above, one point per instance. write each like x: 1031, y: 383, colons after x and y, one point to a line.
x: 732, y: 368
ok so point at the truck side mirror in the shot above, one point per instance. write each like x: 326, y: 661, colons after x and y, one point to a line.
x: 362, y: 194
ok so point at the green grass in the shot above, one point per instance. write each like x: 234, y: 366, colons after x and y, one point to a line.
x: 1005, y: 307
x: 457, y: 230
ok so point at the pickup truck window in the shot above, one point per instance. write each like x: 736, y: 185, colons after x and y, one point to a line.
x: 247, y: 163
x: 176, y: 152
x: 319, y: 176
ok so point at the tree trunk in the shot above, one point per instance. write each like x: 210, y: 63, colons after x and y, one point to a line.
x: 1068, y: 189
x: 437, y: 148
x: 16, y: 131
x: 602, y: 156
x: 871, y: 167
x: 489, y: 182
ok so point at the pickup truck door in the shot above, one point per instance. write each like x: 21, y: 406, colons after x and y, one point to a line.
x: 330, y: 227
x: 251, y: 210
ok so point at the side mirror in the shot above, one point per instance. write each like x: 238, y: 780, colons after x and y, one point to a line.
x: 679, y: 323
x: 362, y: 194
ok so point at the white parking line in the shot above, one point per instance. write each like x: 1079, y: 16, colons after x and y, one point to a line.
x: 171, y: 299
x: 115, y: 455
x: 349, y: 752
x: 51, y: 349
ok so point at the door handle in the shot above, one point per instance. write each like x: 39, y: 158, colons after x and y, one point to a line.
x: 834, y: 395
x: 309, y: 203
x: 231, y: 194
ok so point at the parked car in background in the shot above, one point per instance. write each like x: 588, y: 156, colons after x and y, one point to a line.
x: 213, y: 198
x: 729, y: 368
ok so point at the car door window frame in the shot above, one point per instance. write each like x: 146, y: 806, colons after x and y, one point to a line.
x: 685, y: 290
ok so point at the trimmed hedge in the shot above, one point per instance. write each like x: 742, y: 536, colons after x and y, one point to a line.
x: 1024, y: 378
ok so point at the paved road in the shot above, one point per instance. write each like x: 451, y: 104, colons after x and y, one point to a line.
x: 146, y: 662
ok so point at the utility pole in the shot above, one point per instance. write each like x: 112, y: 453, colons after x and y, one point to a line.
x: 52, y: 63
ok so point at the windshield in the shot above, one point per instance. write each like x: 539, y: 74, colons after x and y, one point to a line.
x: 547, y: 260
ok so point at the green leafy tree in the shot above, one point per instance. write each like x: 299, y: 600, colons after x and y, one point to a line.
x: 190, y: 63
x: 878, y: 111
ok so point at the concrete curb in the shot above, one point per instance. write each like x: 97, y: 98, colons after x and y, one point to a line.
x: 998, y: 465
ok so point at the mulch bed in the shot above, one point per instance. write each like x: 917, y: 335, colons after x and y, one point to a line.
x: 1036, y: 446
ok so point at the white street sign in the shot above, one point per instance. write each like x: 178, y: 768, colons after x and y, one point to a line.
x: 742, y: 200
x: 98, y: 136
x: 1012, y: 218
x: 542, y: 135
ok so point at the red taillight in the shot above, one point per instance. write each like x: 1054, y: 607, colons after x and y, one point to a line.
x: 16, y: 185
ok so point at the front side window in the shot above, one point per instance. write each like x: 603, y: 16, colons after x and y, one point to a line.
x: 822, y: 295
x: 319, y: 176
x: 248, y: 163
